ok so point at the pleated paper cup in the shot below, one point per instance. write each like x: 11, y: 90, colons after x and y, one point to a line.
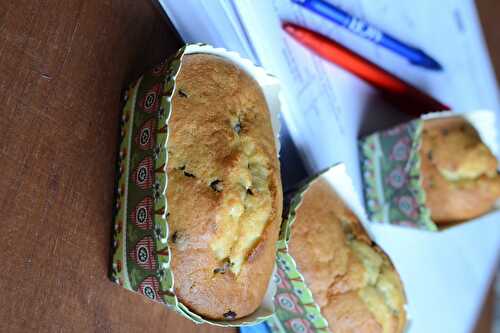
x: 141, y: 254
x: 296, y: 309
x: 390, y: 163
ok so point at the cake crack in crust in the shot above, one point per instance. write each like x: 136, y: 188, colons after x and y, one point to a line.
x: 228, y: 206
x: 352, y: 280
x: 248, y: 214
x: 459, y: 172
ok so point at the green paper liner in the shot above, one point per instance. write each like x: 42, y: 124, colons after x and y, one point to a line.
x: 390, y: 166
x: 295, y: 308
x: 140, y: 252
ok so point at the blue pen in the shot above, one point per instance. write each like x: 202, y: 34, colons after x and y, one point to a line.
x: 365, y: 30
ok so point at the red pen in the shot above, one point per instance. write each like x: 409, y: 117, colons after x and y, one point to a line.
x: 405, y: 96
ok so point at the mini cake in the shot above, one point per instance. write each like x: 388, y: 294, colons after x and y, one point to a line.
x: 459, y: 172
x: 224, y: 189
x: 351, y: 279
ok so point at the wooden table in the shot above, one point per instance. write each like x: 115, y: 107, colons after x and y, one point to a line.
x: 63, y: 67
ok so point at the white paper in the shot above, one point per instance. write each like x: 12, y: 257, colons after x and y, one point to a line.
x: 446, y: 274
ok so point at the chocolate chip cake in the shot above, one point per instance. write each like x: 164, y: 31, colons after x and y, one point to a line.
x: 351, y: 279
x: 459, y: 172
x: 224, y: 189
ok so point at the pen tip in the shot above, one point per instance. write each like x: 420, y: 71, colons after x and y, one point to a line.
x: 433, y: 64
x: 437, y: 66
x: 288, y: 27
x: 427, y: 62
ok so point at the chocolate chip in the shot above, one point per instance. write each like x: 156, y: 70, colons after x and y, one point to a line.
x: 180, y: 240
x: 249, y: 191
x: 225, y: 267
x: 237, y: 127
x: 182, y: 93
x: 444, y: 131
x: 220, y: 270
x: 462, y: 128
x: 429, y: 155
x: 187, y: 174
x: 216, y: 185
x: 230, y: 315
x: 175, y: 236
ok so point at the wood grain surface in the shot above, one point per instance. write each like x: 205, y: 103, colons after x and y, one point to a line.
x: 489, y: 12
x: 63, y: 67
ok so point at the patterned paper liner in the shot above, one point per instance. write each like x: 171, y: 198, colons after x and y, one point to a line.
x: 390, y: 165
x: 141, y: 255
x: 296, y: 310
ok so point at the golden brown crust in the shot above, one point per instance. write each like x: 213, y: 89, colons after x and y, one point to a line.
x: 351, y: 279
x: 458, y: 171
x: 223, y: 178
